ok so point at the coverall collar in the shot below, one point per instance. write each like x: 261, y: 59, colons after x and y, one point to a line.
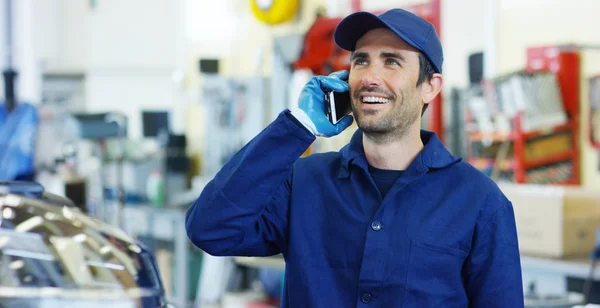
x: 433, y: 155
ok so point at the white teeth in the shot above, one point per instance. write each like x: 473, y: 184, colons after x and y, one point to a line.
x: 374, y: 99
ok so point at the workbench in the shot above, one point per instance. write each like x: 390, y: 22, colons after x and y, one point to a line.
x: 550, y: 275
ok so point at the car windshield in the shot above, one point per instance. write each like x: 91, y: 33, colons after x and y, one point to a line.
x: 45, y: 245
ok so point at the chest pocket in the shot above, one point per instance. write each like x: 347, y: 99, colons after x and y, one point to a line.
x: 434, y: 276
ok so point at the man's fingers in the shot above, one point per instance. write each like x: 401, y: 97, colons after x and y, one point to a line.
x: 335, y: 84
x: 344, y: 123
x: 343, y: 75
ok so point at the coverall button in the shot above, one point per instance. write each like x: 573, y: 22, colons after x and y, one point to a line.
x: 366, y: 298
x: 376, y: 225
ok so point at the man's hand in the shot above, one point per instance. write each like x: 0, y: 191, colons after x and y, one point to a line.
x: 311, y: 104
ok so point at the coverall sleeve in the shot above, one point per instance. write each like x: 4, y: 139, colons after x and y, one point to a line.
x: 493, y: 268
x: 243, y: 211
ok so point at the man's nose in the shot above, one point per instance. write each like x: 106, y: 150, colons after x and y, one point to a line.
x: 371, y: 77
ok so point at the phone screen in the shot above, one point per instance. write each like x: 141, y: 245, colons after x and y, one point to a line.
x: 338, y: 105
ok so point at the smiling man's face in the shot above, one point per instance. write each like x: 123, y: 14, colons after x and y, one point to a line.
x: 386, y: 101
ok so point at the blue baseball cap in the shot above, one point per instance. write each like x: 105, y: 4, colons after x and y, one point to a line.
x: 414, y: 30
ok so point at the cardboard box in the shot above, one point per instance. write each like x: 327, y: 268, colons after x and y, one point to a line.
x: 555, y: 221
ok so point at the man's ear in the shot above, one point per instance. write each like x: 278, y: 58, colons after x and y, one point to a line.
x: 431, y: 88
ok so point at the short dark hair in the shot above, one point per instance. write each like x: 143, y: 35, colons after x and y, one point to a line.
x: 426, y: 72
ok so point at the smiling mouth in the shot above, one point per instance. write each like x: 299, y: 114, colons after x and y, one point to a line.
x: 375, y: 100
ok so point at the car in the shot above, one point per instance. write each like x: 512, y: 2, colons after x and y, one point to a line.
x: 54, y: 255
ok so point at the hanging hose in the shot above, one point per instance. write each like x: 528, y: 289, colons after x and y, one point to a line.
x: 9, y: 72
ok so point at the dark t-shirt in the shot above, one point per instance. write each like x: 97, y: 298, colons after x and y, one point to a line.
x: 384, y: 179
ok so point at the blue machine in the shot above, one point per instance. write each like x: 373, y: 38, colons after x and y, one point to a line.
x: 18, y: 129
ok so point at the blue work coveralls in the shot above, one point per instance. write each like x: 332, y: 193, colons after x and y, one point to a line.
x: 443, y: 236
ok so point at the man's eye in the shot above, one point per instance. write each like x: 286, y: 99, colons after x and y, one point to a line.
x: 360, y: 62
x: 392, y: 62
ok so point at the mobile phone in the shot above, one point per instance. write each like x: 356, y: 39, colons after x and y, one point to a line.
x: 337, y: 105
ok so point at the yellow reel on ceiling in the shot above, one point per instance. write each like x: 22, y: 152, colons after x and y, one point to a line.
x: 274, y: 11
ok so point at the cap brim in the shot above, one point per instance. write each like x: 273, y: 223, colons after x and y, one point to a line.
x: 353, y: 27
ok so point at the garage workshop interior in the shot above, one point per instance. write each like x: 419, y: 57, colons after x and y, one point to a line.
x: 116, y: 115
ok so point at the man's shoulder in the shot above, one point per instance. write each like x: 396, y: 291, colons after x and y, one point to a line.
x: 319, y: 160
x: 465, y: 173
x: 480, y: 187
x: 318, y: 167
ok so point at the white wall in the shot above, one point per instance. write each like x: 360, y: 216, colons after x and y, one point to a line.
x: 62, y: 35
x: 48, y: 35
x: 462, y: 34
x: 381, y: 5
x: 529, y: 23
x: 133, y: 34
x: 590, y: 158
x: 135, y: 51
x: 132, y: 52
x: 23, y: 52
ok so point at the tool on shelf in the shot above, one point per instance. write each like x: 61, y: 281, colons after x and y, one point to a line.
x: 529, y: 130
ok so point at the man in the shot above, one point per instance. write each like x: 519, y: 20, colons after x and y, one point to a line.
x: 392, y: 219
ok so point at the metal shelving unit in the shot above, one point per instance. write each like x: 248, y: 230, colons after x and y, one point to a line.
x: 553, y: 167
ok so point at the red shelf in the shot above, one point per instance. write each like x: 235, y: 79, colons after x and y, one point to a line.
x: 554, y: 130
x: 497, y: 137
x: 565, y: 64
x: 504, y: 165
x: 556, y: 158
x: 501, y: 137
x: 568, y: 182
